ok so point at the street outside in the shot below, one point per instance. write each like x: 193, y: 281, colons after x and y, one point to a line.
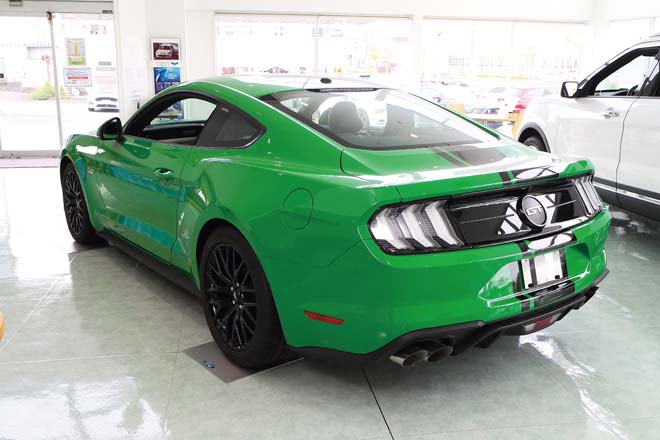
x: 27, y: 124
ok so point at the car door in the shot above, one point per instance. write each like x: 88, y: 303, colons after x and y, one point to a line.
x: 638, y: 182
x: 591, y: 124
x: 139, y: 177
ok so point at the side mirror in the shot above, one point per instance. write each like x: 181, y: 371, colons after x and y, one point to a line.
x: 569, y: 89
x: 111, y: 130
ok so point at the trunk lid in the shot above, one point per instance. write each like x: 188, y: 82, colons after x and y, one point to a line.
x: 420, y: 173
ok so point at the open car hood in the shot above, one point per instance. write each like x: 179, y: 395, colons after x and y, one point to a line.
x: 436, y: 171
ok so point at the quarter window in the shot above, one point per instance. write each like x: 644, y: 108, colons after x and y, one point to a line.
x: 228, y: 128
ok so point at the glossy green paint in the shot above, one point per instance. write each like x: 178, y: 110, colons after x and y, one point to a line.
x: 303, y: 202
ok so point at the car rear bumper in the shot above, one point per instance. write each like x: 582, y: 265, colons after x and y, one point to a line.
x: 464, y: 335
x: 379, y: 298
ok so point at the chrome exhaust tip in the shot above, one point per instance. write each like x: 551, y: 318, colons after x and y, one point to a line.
x: 410, y: 356
x: 437, y: 350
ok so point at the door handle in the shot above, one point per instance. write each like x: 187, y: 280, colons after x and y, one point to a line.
x: 610, y: 113
x: 164, y: 173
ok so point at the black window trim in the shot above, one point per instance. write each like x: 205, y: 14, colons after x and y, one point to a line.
x: 618, y: 62
x: 187, y: 94
x: 275, y: 103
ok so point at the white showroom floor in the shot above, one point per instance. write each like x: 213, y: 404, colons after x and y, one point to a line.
x: 97, y: 346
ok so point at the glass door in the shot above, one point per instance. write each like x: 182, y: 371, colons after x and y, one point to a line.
x: 57, y: 77
x: 28, y: 110
x: 87, y: 70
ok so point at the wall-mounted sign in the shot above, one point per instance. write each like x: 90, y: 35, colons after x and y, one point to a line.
x: 77, y: 77
x: 165, y: 61
x: 75, y: 51
x: 165, y: 49
x: 165, y: 77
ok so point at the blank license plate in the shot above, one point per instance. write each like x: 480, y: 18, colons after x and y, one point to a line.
x: 543, y: 269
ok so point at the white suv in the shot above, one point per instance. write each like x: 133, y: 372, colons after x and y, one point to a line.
x: 613, y: 118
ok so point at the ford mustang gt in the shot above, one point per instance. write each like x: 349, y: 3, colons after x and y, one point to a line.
x: 339, y: 219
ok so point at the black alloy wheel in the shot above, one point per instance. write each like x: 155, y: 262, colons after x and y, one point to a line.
x: 238, y: 303
x: 73, y: 202
x: 75, y: 208
x: 232, y: 296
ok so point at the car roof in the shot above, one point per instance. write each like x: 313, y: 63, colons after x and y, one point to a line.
x: 259, y: 85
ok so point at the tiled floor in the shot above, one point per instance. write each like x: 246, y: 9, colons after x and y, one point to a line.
x: 96, y: 347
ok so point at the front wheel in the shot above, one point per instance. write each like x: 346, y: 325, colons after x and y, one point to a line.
x: 238, y: 303
x: 75, y: 208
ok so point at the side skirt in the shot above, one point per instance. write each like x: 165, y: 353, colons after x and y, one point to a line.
x: 168, y: 271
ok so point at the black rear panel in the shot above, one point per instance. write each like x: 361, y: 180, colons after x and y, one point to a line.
x: 495, y: 216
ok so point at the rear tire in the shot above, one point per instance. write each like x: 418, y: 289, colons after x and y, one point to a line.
x: 75, y: 208
x: 536, y: 142
x: 238, y: 303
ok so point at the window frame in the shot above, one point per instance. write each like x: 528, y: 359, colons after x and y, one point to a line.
x: 588, y: 85
x: 178, y: 95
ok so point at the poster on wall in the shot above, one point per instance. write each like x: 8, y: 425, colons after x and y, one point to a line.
x: 77, y: 77
x: 165, y: 61
x: 75, y: 51
x: 165, y: 50
x: 165, y: 77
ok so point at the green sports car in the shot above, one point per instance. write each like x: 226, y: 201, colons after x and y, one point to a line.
x: 339, y: 219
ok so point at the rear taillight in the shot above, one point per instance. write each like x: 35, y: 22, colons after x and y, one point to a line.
x: 414, y: 228
x: 519, y: 107
x: 588, y: 194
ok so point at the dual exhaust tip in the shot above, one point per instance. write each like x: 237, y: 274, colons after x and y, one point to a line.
x: 427, y: 351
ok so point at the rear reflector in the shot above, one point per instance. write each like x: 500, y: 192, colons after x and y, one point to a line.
x: 538, y: 325
x: 323, y: 318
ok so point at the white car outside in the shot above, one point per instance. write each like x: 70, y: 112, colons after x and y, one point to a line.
x: 103, y: 102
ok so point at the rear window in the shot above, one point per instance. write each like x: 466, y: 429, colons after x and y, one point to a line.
x: 378, y: 118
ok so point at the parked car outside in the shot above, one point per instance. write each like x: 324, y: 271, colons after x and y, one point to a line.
x: 103, y: 102
x: 529, y: 94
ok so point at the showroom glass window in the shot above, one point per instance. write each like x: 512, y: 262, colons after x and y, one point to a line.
x: 278, y: 44
x: 483, y: 63
x: 622, y: 34
x: 375, y: 48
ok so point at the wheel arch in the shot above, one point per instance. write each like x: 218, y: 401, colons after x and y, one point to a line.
x: 530, y: 130
x: 208, y: 222
x: 63, y: 163
x: 206, y: 230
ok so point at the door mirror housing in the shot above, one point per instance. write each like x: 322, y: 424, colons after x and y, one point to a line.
x: 111, y: 130
x: 570, y: 89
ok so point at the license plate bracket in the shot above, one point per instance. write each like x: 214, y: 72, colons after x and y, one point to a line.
x: 544, y: 269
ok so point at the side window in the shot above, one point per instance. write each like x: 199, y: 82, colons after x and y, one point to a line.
x: 171, y: 120
x: 628, y: 79
x: 185, y: 110
x: 228, y: 128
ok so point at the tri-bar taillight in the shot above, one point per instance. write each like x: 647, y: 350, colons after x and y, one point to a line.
x: 481, y: 219
x: 414, y: 228
x: 585, y: 188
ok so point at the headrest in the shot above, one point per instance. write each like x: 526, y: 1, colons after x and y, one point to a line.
x: 344, y: 118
